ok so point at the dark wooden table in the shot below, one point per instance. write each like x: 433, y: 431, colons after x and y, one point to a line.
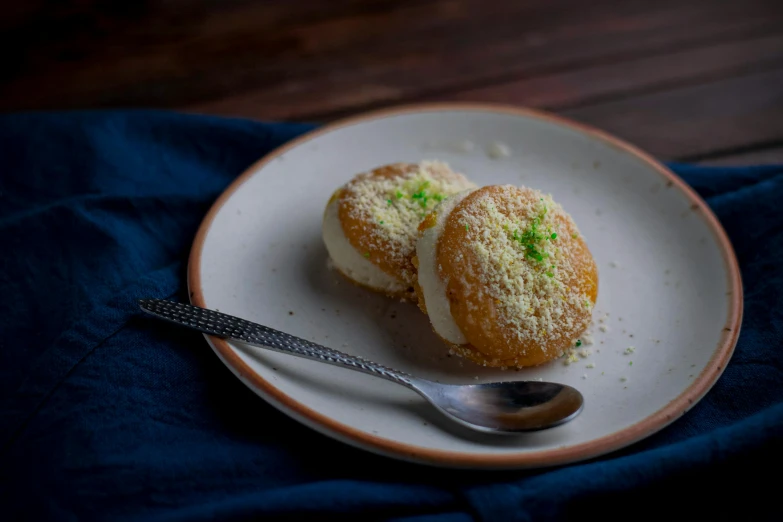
x: 693, y: 80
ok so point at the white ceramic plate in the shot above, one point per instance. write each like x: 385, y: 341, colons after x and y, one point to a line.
x: 669, y: 286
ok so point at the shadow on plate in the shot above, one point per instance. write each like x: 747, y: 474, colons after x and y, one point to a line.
x: 404, y: 402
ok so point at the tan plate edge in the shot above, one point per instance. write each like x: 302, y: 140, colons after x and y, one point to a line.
x: 586, y: 450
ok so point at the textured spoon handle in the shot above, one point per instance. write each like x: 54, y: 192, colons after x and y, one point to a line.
x: 230, y: 327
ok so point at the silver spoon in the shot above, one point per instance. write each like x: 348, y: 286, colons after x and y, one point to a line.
x: 496, y: 407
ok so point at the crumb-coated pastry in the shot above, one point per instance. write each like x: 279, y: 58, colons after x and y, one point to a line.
x: 370, y: 224
x: 505, y: 276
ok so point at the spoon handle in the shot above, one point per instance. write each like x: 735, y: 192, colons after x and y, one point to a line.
x: 230, y: 327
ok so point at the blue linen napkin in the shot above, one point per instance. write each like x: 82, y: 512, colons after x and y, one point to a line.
x: 106, y: 415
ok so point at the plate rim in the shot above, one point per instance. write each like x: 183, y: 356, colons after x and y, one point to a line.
x: 529, y: 459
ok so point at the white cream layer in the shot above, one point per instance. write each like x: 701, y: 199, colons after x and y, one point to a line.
x: 350, y: 261
x: 432, y: 286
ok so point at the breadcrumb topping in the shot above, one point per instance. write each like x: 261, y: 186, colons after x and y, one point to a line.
x: 391, y: 207
x: 525, y: 248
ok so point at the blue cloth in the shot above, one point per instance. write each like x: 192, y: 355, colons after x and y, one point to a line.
x: 107, y: 415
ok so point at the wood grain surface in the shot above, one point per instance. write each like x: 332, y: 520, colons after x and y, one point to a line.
x: 697, y: 80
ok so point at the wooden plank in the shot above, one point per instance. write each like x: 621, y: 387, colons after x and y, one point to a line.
x: 694, y: 121
x: 604, y: 33
x: 637, y: 76
x: 70, y: 35
x: 767, y: 156
x: 319, y: 57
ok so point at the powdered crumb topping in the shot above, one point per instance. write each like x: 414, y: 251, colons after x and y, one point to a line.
x: 525, y: 253
x: 390, y: 207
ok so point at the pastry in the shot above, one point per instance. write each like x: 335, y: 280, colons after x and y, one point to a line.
x: 370, y: 224
x: 505, y: 276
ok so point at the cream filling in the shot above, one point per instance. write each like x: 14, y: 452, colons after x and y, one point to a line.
x: 350, y: 261
x: 432, y: 286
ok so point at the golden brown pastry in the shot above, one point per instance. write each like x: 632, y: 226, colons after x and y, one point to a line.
x: 505, y: 276
x: 370, y: 224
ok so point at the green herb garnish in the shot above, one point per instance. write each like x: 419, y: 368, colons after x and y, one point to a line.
x: 532, y: 237
x: 421, y: 195
x: 578, y: 343
x: 418, y: 193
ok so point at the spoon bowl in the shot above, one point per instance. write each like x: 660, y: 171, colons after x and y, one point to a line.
x: 505, y: 407
x: 497, y: 407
